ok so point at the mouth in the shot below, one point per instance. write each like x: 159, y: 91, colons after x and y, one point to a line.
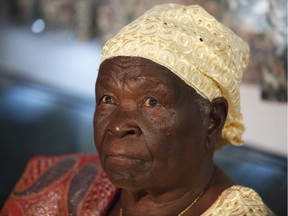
x: 123, y: 160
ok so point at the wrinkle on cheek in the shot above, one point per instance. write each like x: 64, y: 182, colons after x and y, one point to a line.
x: 100, y: 126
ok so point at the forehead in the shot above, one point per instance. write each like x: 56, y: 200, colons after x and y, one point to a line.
x: 137, y: 69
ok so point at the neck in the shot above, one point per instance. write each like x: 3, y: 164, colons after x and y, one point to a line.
x: 169, y: 201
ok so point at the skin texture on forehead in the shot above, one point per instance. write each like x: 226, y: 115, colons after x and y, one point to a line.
x: 123, y: 64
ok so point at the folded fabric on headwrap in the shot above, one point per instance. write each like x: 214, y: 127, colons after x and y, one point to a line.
x: 196, y: 47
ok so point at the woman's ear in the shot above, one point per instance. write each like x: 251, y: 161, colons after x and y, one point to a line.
x: 218, y: 114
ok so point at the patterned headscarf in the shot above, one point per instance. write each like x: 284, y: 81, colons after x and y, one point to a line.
x: 197, y: 48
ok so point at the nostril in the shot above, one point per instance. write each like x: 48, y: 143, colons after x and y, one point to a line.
x: 131, y: 132
x: 122, y: 131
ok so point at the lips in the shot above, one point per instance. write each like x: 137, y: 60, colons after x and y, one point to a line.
x: 125, y: 149
x: 123, y: 159
x: 125, y: 153
x: 120, y: 162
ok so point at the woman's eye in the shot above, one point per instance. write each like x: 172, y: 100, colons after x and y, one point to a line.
x: 151, y: 102
x: 107, y: 99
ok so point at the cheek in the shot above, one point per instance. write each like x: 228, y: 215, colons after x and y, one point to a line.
x: 172, y: 133
x: 157, y: 123
x: 159, y: 131
x: 101, y: 121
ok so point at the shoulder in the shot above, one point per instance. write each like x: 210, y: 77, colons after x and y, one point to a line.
x: 238, y: 200
x: 62, y: 183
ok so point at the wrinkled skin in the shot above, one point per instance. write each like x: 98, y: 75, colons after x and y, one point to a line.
x: 152, y: 139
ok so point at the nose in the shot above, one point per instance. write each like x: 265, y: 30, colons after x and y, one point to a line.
x: 124, y: 125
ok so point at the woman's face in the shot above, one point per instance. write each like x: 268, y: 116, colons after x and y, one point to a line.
x: 147, y: 129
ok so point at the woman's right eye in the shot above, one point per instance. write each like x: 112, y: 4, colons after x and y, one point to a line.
x: 107, y: 99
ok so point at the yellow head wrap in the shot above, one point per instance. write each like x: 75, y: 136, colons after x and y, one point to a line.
x: 191, y: 43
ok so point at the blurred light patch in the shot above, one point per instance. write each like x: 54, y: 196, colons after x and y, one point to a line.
x: 38, y: 26
x: 26, y: 103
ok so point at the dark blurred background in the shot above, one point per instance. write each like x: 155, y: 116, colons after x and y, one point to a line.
x: 49, y: 57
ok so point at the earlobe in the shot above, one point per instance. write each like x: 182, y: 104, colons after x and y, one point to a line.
x: 218, y: 114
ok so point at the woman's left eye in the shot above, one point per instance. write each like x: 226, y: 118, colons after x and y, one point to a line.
x: 151, y: 102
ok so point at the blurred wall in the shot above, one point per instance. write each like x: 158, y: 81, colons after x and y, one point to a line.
x: 265, y: 121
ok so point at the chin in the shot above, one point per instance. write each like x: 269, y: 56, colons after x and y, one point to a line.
x: 129, y: 179
x: 127, y: 173
x: 122, y: 179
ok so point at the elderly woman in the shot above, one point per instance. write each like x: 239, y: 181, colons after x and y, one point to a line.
x: 167, y: 97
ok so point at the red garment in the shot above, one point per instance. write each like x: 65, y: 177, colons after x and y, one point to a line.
x: 62, y: 185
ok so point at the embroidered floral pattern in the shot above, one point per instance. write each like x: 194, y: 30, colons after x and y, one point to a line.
x: 238, y: 200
